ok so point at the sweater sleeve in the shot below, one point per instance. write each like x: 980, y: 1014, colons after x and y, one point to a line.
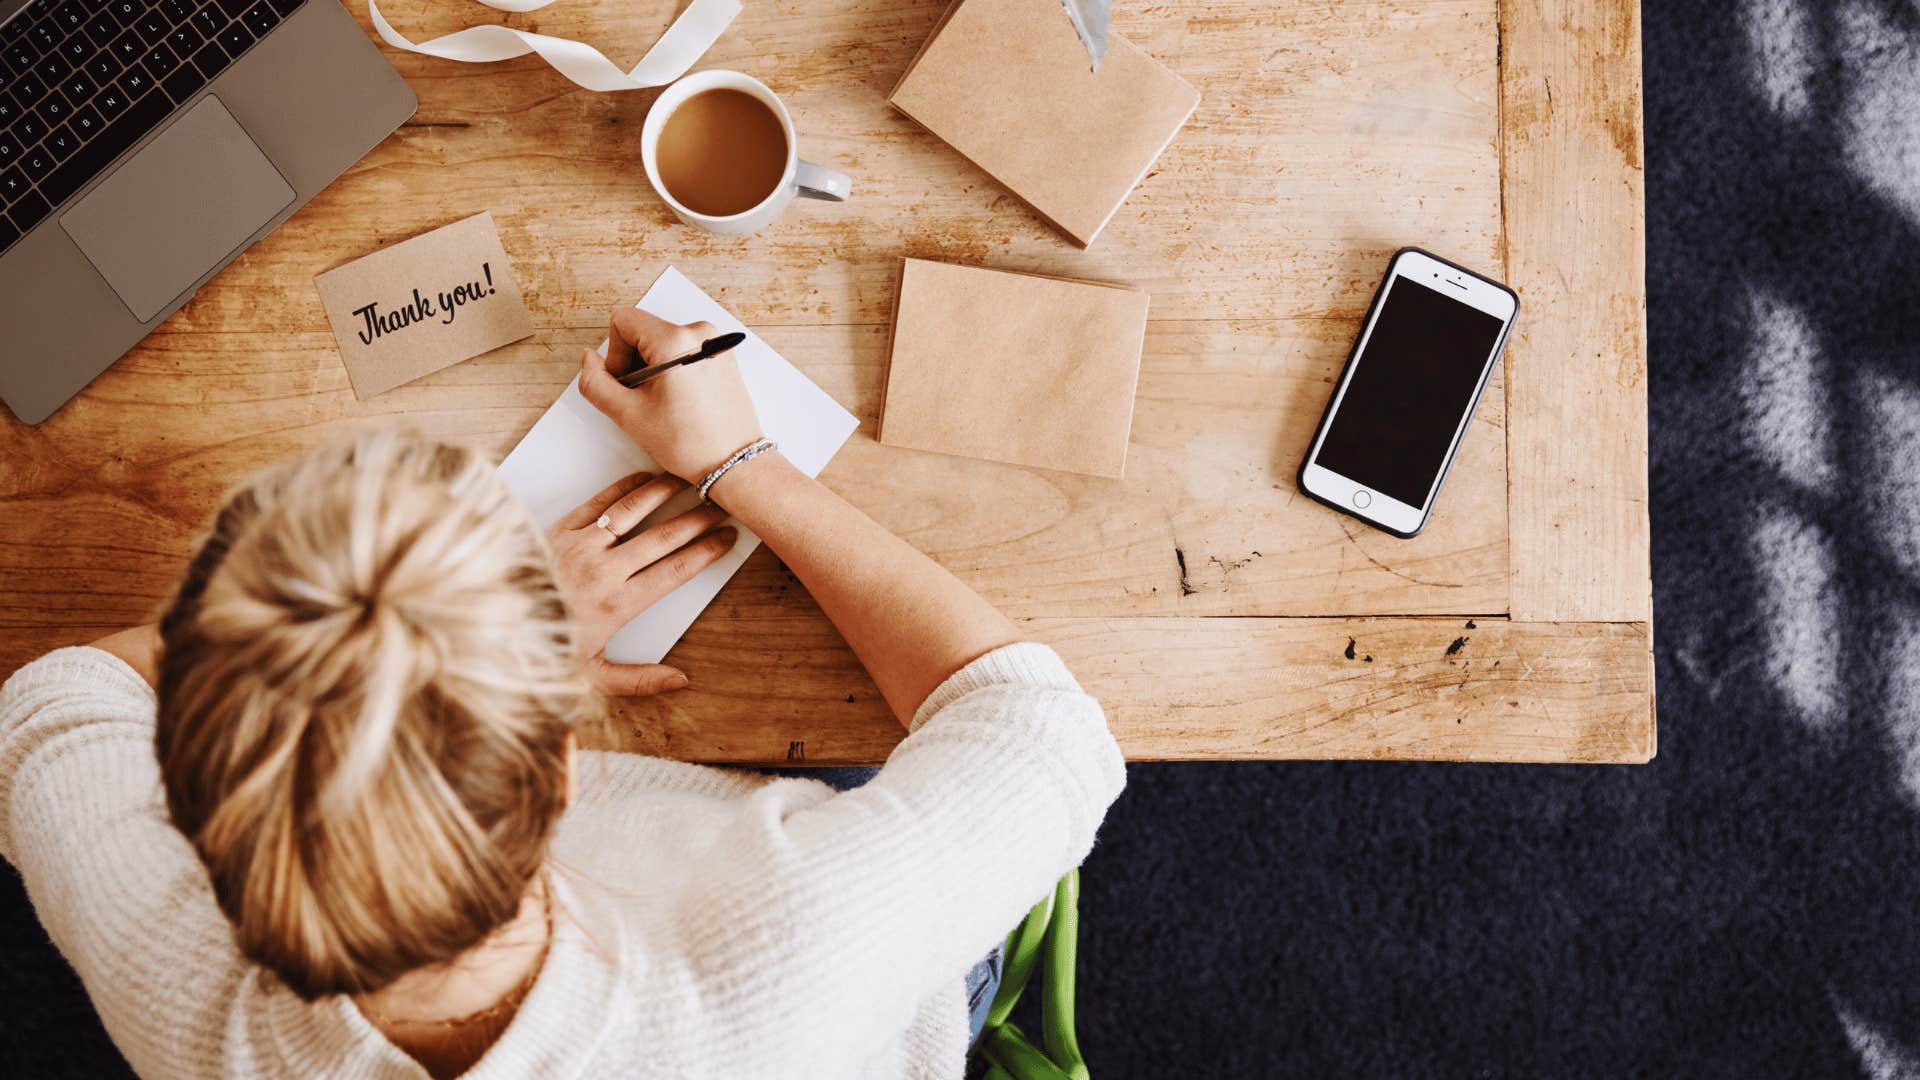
x: 116, y: 886
x: 817, y: 922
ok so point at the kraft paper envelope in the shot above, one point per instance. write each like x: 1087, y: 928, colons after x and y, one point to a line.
x: 574, y: 451
x: 423, y: 304
x: 1007, y: 83
x: 1014, y: 367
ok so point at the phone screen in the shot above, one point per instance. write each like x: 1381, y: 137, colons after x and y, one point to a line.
x: 1411, y: 385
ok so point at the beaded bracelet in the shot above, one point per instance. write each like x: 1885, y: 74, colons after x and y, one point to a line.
x: 744, y: 454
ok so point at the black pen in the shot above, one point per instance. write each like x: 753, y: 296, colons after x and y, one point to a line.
x: 713, y: 346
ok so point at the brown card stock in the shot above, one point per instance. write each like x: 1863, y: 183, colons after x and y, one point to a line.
x: 1014, y: 367
x: 1007, y: 83
x: 423, y: 304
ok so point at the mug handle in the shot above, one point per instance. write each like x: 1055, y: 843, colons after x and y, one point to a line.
x: 815, y: 182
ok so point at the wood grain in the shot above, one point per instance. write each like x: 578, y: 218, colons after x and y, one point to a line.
x: 1577, y: 379
x: 1207, y: 521
x: 1327, y: 137
x: 1181, y: 689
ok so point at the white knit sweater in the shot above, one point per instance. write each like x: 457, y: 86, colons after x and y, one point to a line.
x: 714, y: 923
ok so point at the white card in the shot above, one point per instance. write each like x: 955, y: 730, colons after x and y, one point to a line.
x: 574, y: 451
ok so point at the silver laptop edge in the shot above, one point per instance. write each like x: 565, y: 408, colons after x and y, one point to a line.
x: 312, y: 96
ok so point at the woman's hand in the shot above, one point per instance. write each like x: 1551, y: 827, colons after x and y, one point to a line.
x: 610, y: 574
x: 691, y: 419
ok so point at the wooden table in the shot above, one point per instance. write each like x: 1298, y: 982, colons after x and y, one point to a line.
x: 1215, y: 612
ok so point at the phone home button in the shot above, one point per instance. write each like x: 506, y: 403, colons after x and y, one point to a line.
x: 1362, y: 499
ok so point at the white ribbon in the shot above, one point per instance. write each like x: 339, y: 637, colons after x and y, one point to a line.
x: 690, y: 36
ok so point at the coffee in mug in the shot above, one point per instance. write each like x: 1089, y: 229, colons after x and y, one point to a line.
x: 721, y: 152
x: 720, y: 148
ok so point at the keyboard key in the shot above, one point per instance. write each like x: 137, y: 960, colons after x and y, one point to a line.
x: 78, y: 87
x: 103, y: 67
x: 44, y: 37
x: 184, y: 39
x: 96, y: 155
x: 177, y: 11
x: 153, y: 27
x: 38, y: 163
x: 71, y: 16
x: 160, y: 60
x: 27, y: 211
x: 28, y: 89
x: 52, y: 68
x: 9, y: 110
x: 125, y: 12
x: 211, y: 59
x: 61, y: 144
x: 128, y: 47
x: 111, y: 102
x: 285, y: 7
x: 78, y: 49
x: 86, y: 122
x: 10, y: 149
x: 260, y: 18
x: 13, y: 184
x: 135, y: 83
x: 235, y: 40
x: 41, y: 7
x: 28, y: 130
x: 234, y: 8
x: 20, y: 56
x: 101, y: 29
x: 52, y: 110
x: 208, y: 20
x: 181, y: 84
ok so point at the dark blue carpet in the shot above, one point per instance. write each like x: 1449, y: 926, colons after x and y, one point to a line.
x: 1740, y: 907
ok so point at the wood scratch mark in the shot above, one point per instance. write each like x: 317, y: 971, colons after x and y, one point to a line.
x: 1186, y: 587
x: 1228, y: 566
x: 1402, y: 575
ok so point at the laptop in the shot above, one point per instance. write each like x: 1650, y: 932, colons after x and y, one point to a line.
x: 144, y: 144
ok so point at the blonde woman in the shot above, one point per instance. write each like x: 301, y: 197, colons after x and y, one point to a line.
x: 328, y: 818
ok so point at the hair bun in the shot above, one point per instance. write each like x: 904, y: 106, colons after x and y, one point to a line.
x: 366, y: 688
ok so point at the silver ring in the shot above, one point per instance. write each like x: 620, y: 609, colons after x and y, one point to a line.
x: 606, y: 523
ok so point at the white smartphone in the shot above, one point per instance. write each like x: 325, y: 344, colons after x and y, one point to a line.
x: 1410, y: 386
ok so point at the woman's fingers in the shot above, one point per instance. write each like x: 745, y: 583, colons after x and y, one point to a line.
x: 602, y: 388
x: 588, y: 512
x: 656, y: 543
x: 663, y: 576
x: 636, y: 337
x: 627, y: 512
x: 634, y: 680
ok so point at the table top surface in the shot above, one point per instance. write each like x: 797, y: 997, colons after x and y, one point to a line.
x: 1215, y: 611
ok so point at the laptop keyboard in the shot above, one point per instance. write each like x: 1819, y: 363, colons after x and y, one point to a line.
x: 82, y: 80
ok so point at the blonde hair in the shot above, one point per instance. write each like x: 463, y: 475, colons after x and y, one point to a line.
x: 366, y: 687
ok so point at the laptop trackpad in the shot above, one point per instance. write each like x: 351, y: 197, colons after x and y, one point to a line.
x: 177, y: 207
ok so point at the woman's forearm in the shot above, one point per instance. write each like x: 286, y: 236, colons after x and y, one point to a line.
x: 908, y: 620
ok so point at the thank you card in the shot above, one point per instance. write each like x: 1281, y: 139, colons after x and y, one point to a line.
x: 423, y: 304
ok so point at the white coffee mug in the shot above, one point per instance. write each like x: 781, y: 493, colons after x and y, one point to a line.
x: 799, y: 177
